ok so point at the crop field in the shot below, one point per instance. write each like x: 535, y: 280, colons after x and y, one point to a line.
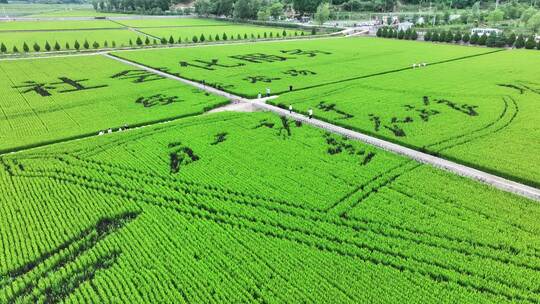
x: 56, y: 25
x: 76, y: 12
x: 301, y: 64
x: 271, y: 207
x: 120, y: 37
x: 25, y: 9
x: 168, y: 22
x: 50, y: 99
x: 16, y: 33
x: 186, y: 33
x: 119, y: 185
x: 480, y: 111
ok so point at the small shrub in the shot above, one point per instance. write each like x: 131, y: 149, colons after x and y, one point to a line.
x: 36, y: 47
x: 530, y: 44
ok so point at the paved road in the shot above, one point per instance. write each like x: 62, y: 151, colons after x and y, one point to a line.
x: 487, y: 178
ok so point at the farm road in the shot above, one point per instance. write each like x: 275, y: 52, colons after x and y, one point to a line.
x: 481, y: 176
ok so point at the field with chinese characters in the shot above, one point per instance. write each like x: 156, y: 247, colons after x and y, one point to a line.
x: 302, y: 64
x: 462, y: 105
x: 269, y: 206
x: 186, y: 206
x: 52, y: 99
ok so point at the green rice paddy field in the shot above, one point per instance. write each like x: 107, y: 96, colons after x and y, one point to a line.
x: 249, y: 71
x: 201, y: 210
x: 256, y: 208
x: 480, y: 111
x: 16, y: 33
x: 464, y: 98
x: 49, y: 99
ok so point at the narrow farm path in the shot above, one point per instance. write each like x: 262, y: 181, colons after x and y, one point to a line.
x: 134, y: 29
x: 484, y: 177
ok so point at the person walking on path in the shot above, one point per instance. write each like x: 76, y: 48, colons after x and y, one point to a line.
x: 267, y: 92
x: 259, y: 96
x: 290, y: 109
x: 310, y: 113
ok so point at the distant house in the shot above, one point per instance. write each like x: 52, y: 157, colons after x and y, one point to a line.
x: 487, y: 31
x: 403, y: 26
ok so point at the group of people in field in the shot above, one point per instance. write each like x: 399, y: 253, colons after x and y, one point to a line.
x: 310, y: 111
x: 110, y: 130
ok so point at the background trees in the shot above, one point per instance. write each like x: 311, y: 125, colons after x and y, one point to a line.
x: 323, y: 13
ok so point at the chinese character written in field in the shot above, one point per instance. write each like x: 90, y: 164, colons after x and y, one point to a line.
x: 339, y: 145
x: 255, y: 79
x: 309, y: 53
x: 68, y: 85
x: 295, y: 73
x: 332, y: 108
x: 75, y: 85
x: 40, y: 88
x: 424, y: 113
x: 522, y: 86
x: 138, y: 76
x: 259, y: 58
x: 180, y: 155
x: 463, y: 108
x: 393, y: 125
x: 209, y: 65
x: 153, y: 100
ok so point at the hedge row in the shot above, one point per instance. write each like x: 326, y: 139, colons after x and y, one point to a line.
x: 493, y: 40
x: 147, y: 41
x: 388, y: 32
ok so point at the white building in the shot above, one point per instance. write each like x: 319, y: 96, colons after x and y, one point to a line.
x: 403, y: 26
x: 487, y: 31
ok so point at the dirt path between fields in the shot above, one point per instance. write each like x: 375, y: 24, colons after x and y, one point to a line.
x: 481, y: 176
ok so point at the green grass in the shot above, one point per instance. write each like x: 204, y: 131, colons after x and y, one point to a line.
x: 292, y: 63
x: 502, y: 137
x: 76, y: 12
x: 274, y: 215
x: 56, y: 25
x: 29, y: 118
x: 14, y: 9
x: 154, y: 22
x: 120, y: 36
x: 232, y: 31
x: 16, y: 33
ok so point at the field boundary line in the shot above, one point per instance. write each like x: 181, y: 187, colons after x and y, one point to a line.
x: 134, y: 29
x: 441, y: 163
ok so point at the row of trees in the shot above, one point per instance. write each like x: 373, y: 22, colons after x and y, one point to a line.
x: 56, y: 47
x: 493, y: 40
x: 388, y: 32
x: 146, y: 41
